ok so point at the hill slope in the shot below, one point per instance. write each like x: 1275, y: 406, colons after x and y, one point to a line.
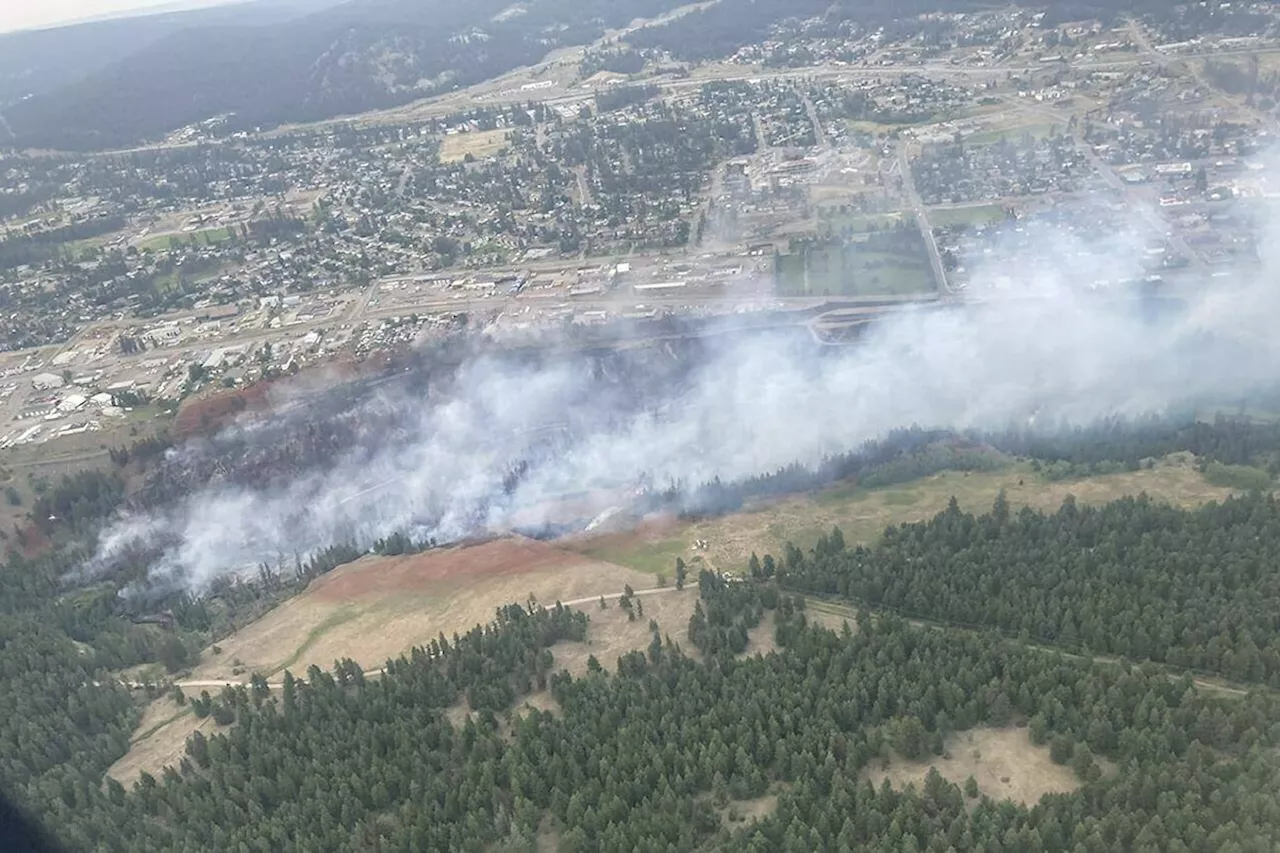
x: 35, y: 62
x: 350, y: 58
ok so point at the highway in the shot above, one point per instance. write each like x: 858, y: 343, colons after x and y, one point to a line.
x: 922, y: 217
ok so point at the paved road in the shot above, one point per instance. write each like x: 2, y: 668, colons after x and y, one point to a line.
x: 922, y: 217
x: 819, y: 137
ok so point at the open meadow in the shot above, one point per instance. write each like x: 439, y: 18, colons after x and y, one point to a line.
x: 480, y: 144
x: 862, y: 514
x: 1004, y: 762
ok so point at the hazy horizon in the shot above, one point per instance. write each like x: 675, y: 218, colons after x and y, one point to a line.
x: 54, y: 13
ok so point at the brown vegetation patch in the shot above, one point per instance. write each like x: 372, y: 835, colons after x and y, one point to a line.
x: 379, y: 607
x: 29, y: 541
x: 548, y: 840
x: 831, y: 615
x: 458, y: 713
x: 542, y: 700
x: 429, y: 570
x: 760, y: 639
x: 210, y: 412
x: 1005, y: 763
x: 480, y: 144
x: 205, y: 415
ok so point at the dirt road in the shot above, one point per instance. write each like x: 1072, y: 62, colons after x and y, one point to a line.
x: 204, y: 684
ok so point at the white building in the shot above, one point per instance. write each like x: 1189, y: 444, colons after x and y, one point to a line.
x: 72, y: 402
x: 47, y: 381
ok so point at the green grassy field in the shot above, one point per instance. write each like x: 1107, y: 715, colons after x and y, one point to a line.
x: 657, y: 556
x: 853, y: 271
x: 877, y: 273
x: 335, y: 619
x: 165, y: 242
x: 978, y: 214
x: 90, y: 246
x: 173, y: 279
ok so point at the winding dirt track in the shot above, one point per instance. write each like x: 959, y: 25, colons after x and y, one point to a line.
x: 207, y: 683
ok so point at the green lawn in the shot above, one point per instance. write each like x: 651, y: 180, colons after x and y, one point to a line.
x: 978, y: 214
x: 196, y: 238
x: 853, y: 271
x: 1014, y: 134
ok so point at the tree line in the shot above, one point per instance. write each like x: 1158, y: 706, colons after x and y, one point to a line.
x: 1057, y: 451
x: 1136, y: 578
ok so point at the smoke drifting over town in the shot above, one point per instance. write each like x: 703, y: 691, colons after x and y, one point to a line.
x: 497, y: 445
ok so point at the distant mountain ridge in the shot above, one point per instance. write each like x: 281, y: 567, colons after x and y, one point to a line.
x: 361, y: 55
x: 349, y: 58
x: 34, y: 62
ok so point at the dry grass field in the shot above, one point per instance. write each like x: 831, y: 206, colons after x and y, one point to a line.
x: 862, y: 514
x: 159, y: 741
x: 1005, y: 763
x: 378, y: 607
x: 479, y: 144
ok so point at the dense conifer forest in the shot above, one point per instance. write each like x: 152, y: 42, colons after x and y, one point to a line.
x: 1136, y: 578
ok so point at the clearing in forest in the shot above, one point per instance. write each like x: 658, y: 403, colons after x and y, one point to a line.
x: 862, y: 514
x: 611, y: 634
x: 159, y: 741
x: 1004, y: 762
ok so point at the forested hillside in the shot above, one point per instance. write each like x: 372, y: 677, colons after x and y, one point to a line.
x: 1195, y: 589
x: 640, y: 759
x: 1065, y: 453
x: 722, y: 28
x: 37, y: 61
x: 650, y: 757
x: 355, y: 57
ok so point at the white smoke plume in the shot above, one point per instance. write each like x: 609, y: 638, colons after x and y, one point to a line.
x: 1033, y: 340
